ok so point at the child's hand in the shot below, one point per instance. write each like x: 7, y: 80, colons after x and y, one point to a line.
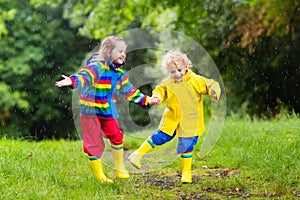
x: 213, y: 94
x: 65, y: 82
x: 154, y: 100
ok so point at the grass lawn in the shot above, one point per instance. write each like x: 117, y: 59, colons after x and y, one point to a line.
x: 253, y: 159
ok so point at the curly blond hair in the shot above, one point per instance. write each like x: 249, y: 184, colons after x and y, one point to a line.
x: 175, y: 58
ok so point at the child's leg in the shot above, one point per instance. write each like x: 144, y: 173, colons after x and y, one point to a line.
x: 117, y: 151
x: 94, y: 145
x: 186, y: 148
x: 136, y: 157
x: 115, y: 135
x: 92, y: 139
x: 186, y: 160
x: 96, y: 164
x: 157, y: 138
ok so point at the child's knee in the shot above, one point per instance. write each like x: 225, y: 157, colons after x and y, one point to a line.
x: 116, y: 139
x: 160, y: 138
x: 186, y: 144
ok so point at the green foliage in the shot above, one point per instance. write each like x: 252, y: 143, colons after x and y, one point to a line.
x: 35, y: 51
x: 267, y: 63
x: 104, y: 17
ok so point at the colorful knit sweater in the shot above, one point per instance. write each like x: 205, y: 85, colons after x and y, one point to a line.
x: 100, y: 84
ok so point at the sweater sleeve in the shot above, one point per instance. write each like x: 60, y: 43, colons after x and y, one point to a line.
x: 131, y: 93
x: 87, y: 76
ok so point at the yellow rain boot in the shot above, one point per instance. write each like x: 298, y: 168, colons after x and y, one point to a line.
x: 136, y: 157
x: 96, y: 164
x: 186, y: 170
x: 119, y: 166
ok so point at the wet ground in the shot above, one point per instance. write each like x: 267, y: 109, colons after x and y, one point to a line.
x: 171, y: 182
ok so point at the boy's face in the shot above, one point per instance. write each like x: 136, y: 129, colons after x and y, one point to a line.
x: 177, y: 71
x: 118, y: 54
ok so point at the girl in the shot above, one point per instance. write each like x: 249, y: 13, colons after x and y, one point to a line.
x: 100, y: 80
x: 183, y: 115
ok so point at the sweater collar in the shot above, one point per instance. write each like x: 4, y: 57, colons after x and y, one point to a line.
x: 110, y: 63
x: 115, y: 66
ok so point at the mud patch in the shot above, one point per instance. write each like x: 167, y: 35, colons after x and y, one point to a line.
x: 200, y: 190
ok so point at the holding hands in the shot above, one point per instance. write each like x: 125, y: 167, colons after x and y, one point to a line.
x: 154, y: 100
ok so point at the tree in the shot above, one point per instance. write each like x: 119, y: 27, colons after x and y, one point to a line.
x: 36, y: 48
x: 254, y: 43
x: 269, y: 35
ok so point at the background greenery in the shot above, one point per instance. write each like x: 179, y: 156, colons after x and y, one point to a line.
x: 255, y: 45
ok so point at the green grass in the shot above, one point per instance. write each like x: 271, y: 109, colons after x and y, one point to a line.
x: 253, y: 159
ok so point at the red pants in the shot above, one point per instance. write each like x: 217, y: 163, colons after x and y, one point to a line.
x: 94, y: 129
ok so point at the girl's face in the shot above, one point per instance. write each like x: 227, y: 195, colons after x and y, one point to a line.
x: 118, y: 54
x: 177, y: 71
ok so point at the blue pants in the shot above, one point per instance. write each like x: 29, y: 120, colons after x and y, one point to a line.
x: 184, y: 144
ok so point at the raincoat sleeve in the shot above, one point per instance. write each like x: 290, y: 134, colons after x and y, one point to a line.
x: 212, y: 84
x: 160, y: 92
x: 204, y: 85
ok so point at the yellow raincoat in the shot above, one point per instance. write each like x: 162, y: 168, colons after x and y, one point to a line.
x: 184, y: 109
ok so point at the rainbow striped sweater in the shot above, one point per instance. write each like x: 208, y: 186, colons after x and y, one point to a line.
x: 100, y: 84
